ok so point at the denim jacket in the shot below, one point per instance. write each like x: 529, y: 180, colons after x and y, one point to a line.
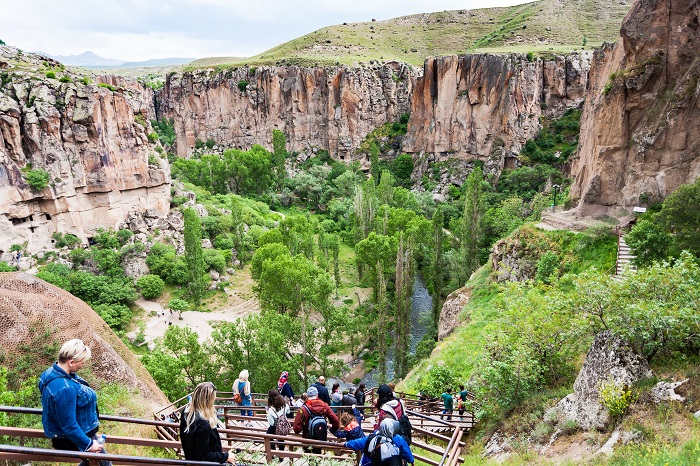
x: 69, y: 406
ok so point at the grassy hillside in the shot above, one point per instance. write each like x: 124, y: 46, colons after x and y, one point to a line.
x: 546, y: 25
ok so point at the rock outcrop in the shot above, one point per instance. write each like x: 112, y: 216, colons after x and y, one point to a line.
x: 97, y: 155
x: 640, y: 128
x: 28, y: 304
x: 478, y: 106
x: 608, y: 359
x: 328, y: 108
x: 449, y: 314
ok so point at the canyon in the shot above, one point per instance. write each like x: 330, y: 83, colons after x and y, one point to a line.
x: 638, y: 137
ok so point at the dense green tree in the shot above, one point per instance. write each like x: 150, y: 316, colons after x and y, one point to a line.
x: 472, y: 233
x: 438, y: 265
x: 404, y: 287
x: 194, y: 257
x: 265, y: 252
x: 279, y: 155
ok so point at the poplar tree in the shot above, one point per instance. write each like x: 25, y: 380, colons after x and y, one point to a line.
x: 438, y: 264
x: 279, y: 154
x: 404, y: 287
x: 194, y: 256
x: 471, y: 226
x: 383, y: 327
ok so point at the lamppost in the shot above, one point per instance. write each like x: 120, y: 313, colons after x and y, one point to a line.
x: 555, y: 187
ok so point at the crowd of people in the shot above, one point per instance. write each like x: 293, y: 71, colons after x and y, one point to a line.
x: 70, y: 417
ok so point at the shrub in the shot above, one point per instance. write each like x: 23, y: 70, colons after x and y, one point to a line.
x: 215, y: 260
x: 107, y: 86
x: 210, y: 143
x: 65, y: 79
x: 151, y: 286
x: 153, y: 159
x: 242, y: 85
x: 530, y: 57
x: 569, y: 426
x: 153, y: 137
x: 51, y: 75
x: 68, y: 239
x: 117, y: 316
x: 86, y: 80
x: 616, y: 397
x: 7, y: 268
x: 165, y: 129
x: 198, y: 143
x: 177, y: 201
x: 437, y: 380
x: 37, y: 179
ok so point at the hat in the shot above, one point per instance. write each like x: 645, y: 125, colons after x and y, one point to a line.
x: 312, y: 391
x: 337, y: 397
x: 384, y: 391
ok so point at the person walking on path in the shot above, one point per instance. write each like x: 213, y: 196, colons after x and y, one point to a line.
x: 386, y: 404
x: 307, y: 416
x: 241, y: 386
x: 360, y: 397
x: 351, y: 425
x: 463, y: 395
x: 69, y: 406
x: 277, y: 409
x: 198, y: 428
x: 322, y: 390
x: 285, y: 388
x: 385, y: 447
x: 448, y: 403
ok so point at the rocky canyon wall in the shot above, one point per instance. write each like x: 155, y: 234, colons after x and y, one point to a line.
x: 86, y: 138
x: 640, y: 128
x: 467, y: 106
x: 327, y: 108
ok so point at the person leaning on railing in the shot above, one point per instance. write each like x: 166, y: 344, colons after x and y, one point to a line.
x: 69, y: 405
x: 198, y: 434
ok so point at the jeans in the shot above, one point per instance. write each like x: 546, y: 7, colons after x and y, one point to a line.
x: 62, y: 443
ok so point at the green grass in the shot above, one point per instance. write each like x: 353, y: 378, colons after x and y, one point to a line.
x: 412, y: 38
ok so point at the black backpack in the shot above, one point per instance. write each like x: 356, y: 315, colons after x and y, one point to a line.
x: 376, y: 455
x: 316, y: 426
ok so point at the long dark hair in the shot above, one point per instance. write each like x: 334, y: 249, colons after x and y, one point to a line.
x: 360, y: 389
x: 275, y: 400
x: 336, y: 386
x: 384, y: 394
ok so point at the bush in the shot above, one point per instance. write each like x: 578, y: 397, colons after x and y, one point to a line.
x: 7, y: 268
x: 37, y: 179
x: 616, y: 397
x: 153, y: 137
x: 68, y: 239
x: 198, y: 143
x: 117, y: 316
x: 242, y: 85
x: 215, y: 260
x: 210, y: 143
x: 64, y: 79
x: 107, y: 86
x: 437, y: 380
x: 151, y: 286
x: 51, y: 75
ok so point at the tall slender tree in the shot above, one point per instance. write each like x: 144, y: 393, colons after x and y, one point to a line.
x: 382, y: 324
x: 194, y: 257
x: 472, y: 231
x: 404, y: 287
x: 438, y: 265
x: 279, y: 154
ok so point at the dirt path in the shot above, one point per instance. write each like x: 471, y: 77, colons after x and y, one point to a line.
x: 239, y: 301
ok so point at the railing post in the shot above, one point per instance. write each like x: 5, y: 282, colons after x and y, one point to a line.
x: 268, y: 449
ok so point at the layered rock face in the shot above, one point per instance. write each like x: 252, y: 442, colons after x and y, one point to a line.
x: 327, y: 108
x: 473, y: 106
x: 87, y: 140
x: 640, y: 128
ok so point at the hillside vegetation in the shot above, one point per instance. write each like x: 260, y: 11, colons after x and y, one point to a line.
x: 546, y: 25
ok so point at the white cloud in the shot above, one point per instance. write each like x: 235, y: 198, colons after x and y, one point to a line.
x: 136, y: 30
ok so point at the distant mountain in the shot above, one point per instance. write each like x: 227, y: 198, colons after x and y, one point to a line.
x: 84, y: 59
x: 91, y: 60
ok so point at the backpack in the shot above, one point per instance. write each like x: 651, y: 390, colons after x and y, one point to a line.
x: 316, y: 426
x: 282, y: 427
x: 405, y: 427
x: 376, y: 455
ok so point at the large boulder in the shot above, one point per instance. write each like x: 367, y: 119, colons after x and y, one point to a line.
x: 609, y: 359
x: 449, y: 315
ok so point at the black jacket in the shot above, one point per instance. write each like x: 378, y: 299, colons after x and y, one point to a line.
x: 322, y: 392
x: 201, y: 443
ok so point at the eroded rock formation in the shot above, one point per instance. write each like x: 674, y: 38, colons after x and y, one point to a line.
x: 640, y: 128
x: 98, y: 157
x: 611, y: 360
x: 327, y: 108
x: 473, y: 106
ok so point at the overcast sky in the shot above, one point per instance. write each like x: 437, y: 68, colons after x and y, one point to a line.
x: 135, y: 30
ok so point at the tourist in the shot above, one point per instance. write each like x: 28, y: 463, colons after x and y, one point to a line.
x: 351, y: 425
x: 313, y: 409
x: 277, y: 409
x: 336, y: 397
x: 69, y: 405
x: 242, y: 386
x: 448, y: 404
x: 284, y: 388
x: 388, y: 405
x: 385, y: 447
x: 198, y: 428
x: 360, y: 397
x: 463, y: 395
x: 322, y: 390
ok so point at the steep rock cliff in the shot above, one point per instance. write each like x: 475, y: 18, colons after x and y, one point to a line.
x: 473, y: 106
x: 328, y: 108
x: 87, y: 140
x: 640, y: 128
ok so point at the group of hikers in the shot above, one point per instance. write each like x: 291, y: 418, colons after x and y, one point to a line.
x: 448, y: 402
x: 70, y: 417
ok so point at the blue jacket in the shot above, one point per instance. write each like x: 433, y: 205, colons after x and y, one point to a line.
x: 69, y: 406
x: 359, y: 445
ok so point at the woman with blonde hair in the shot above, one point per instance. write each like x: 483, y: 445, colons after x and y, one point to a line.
x: 198, y: 434
x: 241, y: 387
x: 69, y: 405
